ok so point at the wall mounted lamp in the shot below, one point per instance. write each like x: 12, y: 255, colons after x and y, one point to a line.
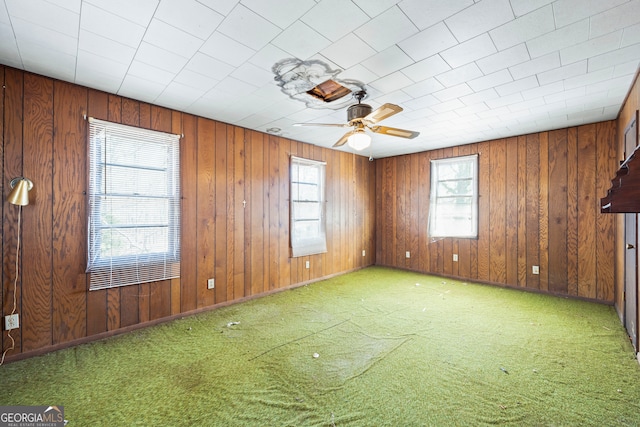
x: 19, y: 194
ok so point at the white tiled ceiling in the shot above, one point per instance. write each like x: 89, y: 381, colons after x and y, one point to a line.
x: 463, y: 70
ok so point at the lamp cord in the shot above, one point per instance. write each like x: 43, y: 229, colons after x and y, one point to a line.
x: 15, y: 289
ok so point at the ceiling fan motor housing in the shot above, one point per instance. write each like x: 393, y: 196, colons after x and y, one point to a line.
x: 358, y: 111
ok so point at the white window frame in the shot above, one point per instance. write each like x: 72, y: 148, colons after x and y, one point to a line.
x: 439, y: 218
x: 316, y: 241
x: 109, y: 267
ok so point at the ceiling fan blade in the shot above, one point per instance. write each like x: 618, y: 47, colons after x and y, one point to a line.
x: 344, y: 139
x: 381, y: 113
x: 403, y: 133
x: 332, y: 125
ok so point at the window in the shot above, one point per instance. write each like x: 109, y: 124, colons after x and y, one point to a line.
x: 134, y: 205
x: 308, y: 234
x: 453, y: 210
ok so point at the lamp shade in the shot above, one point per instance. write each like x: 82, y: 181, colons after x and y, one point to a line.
x: 20, y: 191
x: 359, y: 140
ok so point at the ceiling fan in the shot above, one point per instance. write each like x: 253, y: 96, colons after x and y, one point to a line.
x: 361, y: 117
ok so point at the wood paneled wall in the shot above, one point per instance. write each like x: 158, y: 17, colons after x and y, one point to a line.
x: 539, y: 205
x: 235, y: 214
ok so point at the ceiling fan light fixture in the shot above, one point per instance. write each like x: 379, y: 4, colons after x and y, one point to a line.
x: 359, y: 140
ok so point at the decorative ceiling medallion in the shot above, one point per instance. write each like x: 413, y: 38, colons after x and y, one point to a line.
x: 314, y: 83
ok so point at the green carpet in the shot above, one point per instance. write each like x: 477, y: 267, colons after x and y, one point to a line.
x: 391, y: 348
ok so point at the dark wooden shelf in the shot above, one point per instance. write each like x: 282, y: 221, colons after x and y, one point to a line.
x: 624, y: 194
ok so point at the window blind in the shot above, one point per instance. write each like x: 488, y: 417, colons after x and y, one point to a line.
x: 134, y: 205
x: 308, y: 229
x: 453, y: 205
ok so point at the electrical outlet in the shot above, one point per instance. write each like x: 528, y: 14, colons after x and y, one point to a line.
x: 306, y: 264
x: 211, y: 283
x: 535, y: 269
x: 11, y: 321
x: 455, y: 257
x: 408, y: 254
x: 364, y: 253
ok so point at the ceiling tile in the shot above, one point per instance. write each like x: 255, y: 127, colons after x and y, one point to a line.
x: 358, y: 72
x: 238, y: 87
x: 424, y: 87
x: 374, y: 7
x: 425, y: 13
x: 387, y: 61
x: 253, y: 74
x: 591, y: 48
x: 453, y: 92
x: 196, y: 80
x: 189, y: 16
x: 46, y: 15
x: 208, y: 66
x: 71, y: 5
x: 537, y: 65
x: 426, y: 68
x: 392, y: 82
x: 543, y: 90
x: 522, y: 7
x: 479, y: 96
x: 615, y: 57
x: 300, y: 41
x: 517, y: 86
x: 570, y: 35
x: 472, y: 109
x: 139, y: 11
x: 140, y: 88
x: 154, y: 74
x: 428, y: 42
x: 348, y: 51
x: 563, y: 96
x: 268, y: 56
x: 334, y: 18
x: 9, y: 49
x: 165, y: 36
x: 160, y: 58
x: 178, y: 94
x: 386, y: 29
x: 491, y: 80
x: 569, y: 11
x: 615, y: 19
x: 248, y: 28
x: 469, y: 51
x: 26, y: 31
x: 479, y: 18
x: 111, y: 26
x: 281, y: 12
x: 589, y: 79
x: 107, y: 48
x: 89, y: 61
x: 226, y: 50
x: 625, y: 68
x: 524, y: 28
x: 47, y: 62
x: 505, y: 100
x: 504, y: 59
x: 562, y: 73
x: 221, y: 6
x: 459, y: 75
x: 631, y: 35
x: 452, y: 104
